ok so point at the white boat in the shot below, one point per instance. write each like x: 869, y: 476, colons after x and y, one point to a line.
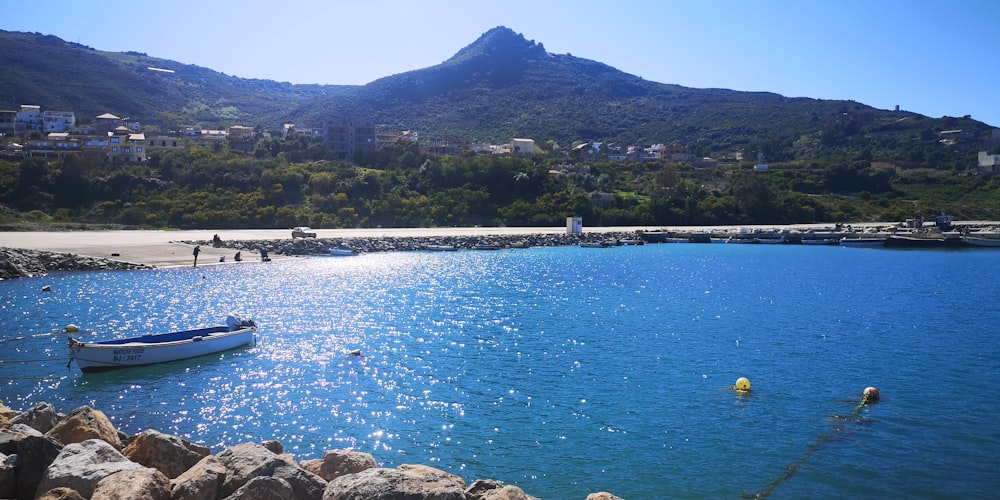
x: 151, y: 349
x: 982, y: 242
x: 342, y: 251
x: 441, y: 248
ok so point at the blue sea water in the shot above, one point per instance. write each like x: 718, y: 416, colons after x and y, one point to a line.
x: 563, y: 370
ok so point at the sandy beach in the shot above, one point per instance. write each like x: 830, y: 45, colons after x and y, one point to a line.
x: 174, y: 248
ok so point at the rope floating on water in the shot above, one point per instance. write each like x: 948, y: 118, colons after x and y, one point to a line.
x: 868, y: 397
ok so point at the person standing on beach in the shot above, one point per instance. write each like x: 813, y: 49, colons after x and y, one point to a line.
x: 197, y: 250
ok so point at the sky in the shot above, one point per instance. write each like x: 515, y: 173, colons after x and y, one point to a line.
x: 935, y: 58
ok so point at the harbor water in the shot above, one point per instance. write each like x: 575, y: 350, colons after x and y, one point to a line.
x: 562, y: 370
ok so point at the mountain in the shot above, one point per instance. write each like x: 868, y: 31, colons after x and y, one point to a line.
x: 504, y: 86
x: 498, y: 87
x: 65, y: 76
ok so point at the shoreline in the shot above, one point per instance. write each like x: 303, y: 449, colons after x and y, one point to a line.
x: 36, y: 252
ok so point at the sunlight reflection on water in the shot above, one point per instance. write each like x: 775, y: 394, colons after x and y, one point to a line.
x: 561, y: 370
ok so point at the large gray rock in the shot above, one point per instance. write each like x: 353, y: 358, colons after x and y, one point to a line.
x: 244, y: 462
x: 201, y: 482
x: 264, y: 488
x: 336, y: 463
x: 144, y: 483
x: 8, y: 483
x: 86, y: 423
x: 10, y: 436
x: 81, y: 466
x: 163, y: 452
x: 392, y: 484
x: 34, y: 454
x: 41, y: 417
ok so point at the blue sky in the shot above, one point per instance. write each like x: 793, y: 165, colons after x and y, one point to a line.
x: 934, y: 58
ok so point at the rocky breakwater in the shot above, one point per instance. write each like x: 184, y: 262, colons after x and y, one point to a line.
x: 321, y: 246
x: 81, y: 455
x: 22, y: 263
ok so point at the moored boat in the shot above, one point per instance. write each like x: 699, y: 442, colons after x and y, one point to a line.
x: 342, y: 251
x: 921, y: 240
x: 152, y: 349
x: 441, y: 248
x: 981, y: 242
x: 862, y: 242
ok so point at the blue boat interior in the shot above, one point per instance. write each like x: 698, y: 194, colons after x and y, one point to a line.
x: 167, y: 337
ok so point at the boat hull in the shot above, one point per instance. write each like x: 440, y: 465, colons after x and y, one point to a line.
x: 108, y: 355
x: 862, y: 242
x: 982, y: 242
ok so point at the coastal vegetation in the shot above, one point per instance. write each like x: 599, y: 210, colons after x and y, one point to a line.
x: 293, y: 182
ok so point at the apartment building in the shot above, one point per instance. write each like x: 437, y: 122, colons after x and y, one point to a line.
x: 349, y: 137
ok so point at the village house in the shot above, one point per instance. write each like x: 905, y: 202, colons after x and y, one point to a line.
x: 125, y: 146
x: 58, y: 121
x: 988, y: 164
x: 522, y: 146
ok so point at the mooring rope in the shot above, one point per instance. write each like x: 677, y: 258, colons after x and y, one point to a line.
x: 870, y: 396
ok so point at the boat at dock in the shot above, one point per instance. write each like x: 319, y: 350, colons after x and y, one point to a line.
x: 341, y: 251
x: 863, y: 241
x: 150, y: 349
x: 979, y: 241
x: 923, y: 240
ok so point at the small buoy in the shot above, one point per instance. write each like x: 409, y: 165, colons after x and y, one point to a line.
x: 46, y: 288
x: 71, y: 328
x: 870, y: 395
x: 356, y: 352
x: 742, y: 384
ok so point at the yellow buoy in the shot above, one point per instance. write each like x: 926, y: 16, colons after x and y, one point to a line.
x: 870, y: 395
x: 742, y: 384
x: 71, y: 328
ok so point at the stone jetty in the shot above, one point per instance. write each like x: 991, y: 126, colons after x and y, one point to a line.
x: 321, y: 246
x: 47, y: 455
x: 21, y: 263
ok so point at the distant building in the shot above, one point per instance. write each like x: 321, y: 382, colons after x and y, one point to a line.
x: 242, y: 138
x: 124, y: 146
x: 349, y: 137
x: 8, y: 119
x: 30, y: 117
x: 106, y: 123
x: 522, y: 146
x: 988, y: 164
x: 161, y: 141
x: 58, y: 121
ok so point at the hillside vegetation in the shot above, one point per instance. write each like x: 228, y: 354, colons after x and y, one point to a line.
x: 820, y: 152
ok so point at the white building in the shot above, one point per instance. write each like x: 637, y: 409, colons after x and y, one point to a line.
x: 522, y: 146
x: 58, y: 121
x: 988, y: 163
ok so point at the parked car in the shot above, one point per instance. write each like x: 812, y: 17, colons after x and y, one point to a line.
x: 303, y: 232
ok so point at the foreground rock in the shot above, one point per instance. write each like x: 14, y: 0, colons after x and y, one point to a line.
x: 80, y: 466
x: 78, y: 458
